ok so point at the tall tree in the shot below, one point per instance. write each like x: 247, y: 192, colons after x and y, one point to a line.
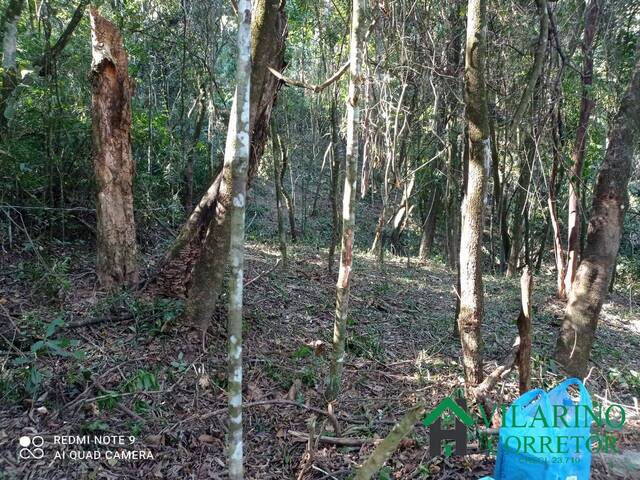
x: 348, y: 201
x: 209, y: 220
x: 112, y: 89
x: 577, y: 155
x: 524, y: 179
x: 610, y: 201
x: 237, y: 162
x: 9, y: 34
x: 479, y: 144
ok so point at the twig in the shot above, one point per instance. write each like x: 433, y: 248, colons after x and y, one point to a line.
x: 263, y: 274
x: 340, y: 441
x: 93, y: 320
x: 310, y: 86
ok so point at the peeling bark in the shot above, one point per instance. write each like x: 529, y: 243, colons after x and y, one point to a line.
x: 112, y: 89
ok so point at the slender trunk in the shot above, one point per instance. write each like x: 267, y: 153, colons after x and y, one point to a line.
x: 587, y: 103
x: 554, y: 180
x: 520, y: 209
x: 429, y: 225
x: 191, y: 152
x: 471, y: 287
x: 237, y: 158
x: 610, y: 201
x: 277, y: 176
x: 348, y: 203
x: 335, y: 176
x: 9, y: 32
x: 112, y: 89
x: 314, y: 206
x: 538, y: 62
x: 524, y: 331
x: 209, y: 223
x: 285, y: 194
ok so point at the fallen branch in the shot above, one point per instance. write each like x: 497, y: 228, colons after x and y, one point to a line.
x: 262, y: 274
x: 94, y: 320
x: 481, y: 391
x: 339, y: 441
x: 309, y: 86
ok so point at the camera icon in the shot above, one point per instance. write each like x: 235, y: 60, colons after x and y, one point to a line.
x: 31, y: 447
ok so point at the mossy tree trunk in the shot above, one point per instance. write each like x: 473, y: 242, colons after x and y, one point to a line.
x: 471, y: 287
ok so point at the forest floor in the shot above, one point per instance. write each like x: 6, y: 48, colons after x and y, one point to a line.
x: 140, y: 372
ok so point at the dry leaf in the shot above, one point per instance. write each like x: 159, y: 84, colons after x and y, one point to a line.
x: 206, y: 438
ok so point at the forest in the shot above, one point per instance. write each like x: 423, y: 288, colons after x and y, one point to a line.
x: 267, y: 239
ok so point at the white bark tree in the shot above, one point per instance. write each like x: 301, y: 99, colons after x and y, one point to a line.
x: 237, y: 159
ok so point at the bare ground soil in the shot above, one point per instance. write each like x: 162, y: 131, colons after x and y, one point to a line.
x: 144, y: 374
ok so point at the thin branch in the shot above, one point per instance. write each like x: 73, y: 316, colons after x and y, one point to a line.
x: 309, y: 86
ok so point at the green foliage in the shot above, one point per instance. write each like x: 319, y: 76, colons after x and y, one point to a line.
x: 141, y: 381
x: 31, y: 369
x: 368, y: 345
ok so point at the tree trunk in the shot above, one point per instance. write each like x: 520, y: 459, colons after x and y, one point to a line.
x: 520, y: 209
x: 335, y: 176
x: 287, y: 198
x: 554, y: 181
x: 429, y: 225
x: 209, y: 220
x: 9, y: 32
x: 348, y: 203
x: 471, y: 287
x: 237, y: 161
x: 111, y: 89
x: 610, y: 200
x: 191, y: 152
x: 577, y: 156
x: 277, y: 176
x: 524, y: 331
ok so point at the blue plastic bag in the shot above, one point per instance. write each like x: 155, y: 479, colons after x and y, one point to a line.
x: 545, y: 436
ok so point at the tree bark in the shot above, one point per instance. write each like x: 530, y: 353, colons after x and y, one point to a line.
x: 9, y: 32
x: 524, y: 330
x: 610, y: 201
x: 335, y: 176
x: 112, y: 89
x: 554, y: 181
x: 237, y: 153
x: 191, y: 152
x: 348, y: 202
x: 471, y: 287
x: 287, y: 198
x: 520, y: 209
x: 277, y: 176
x: 209, y: 223
x: 577, y: 156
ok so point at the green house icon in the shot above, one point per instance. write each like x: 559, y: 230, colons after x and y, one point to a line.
x: 458, y: 434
